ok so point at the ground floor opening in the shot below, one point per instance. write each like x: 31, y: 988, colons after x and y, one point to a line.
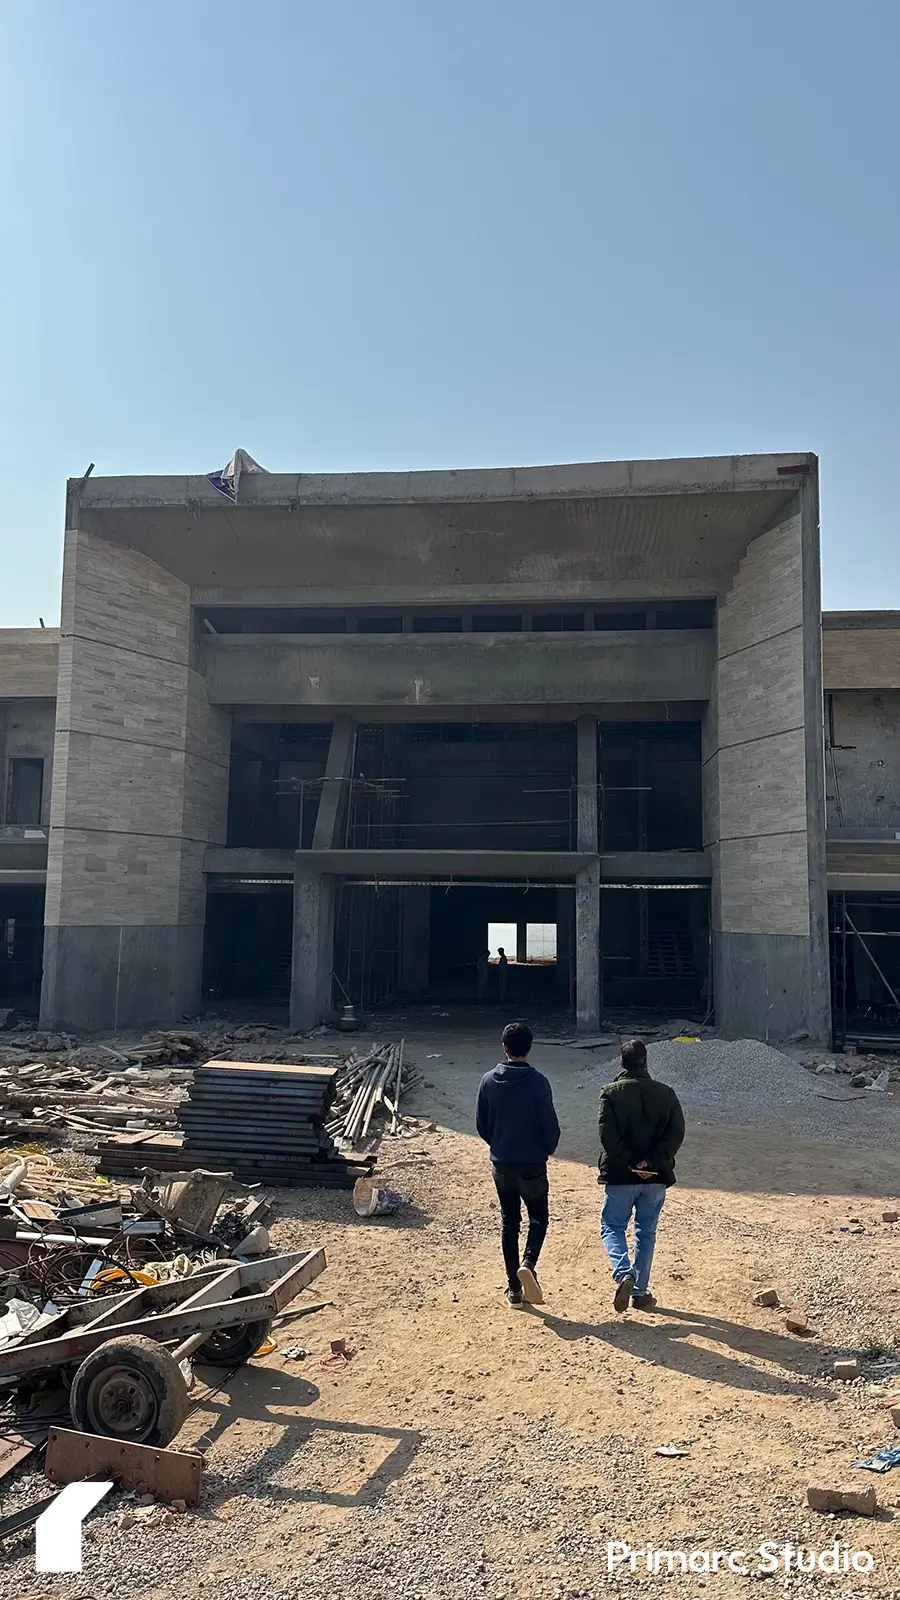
x: 21, y: 945
x: 865, y: 968
x: 461, y: 943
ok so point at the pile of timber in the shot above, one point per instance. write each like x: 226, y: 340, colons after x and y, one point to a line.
x: 366, y: 1086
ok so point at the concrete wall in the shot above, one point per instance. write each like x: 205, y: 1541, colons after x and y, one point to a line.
x: 141, y: 780
x: 27, y: 729
x: 458, y: 670
x: 764, y: 791
x: 862, y: 771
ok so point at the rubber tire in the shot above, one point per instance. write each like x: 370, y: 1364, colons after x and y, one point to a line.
x: 155, y: 1364
x: 246, y: 1340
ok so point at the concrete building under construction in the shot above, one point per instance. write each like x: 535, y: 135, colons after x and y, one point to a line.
x: 339, y: 736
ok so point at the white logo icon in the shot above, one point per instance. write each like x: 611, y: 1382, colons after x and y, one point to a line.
x: 58, y: 1529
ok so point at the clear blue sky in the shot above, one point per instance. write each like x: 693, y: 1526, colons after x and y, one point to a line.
x: 408, y: 234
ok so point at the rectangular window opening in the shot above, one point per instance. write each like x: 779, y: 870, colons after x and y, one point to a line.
x: 26, y: 791
x: 540, y: 942
x: 502, y: 936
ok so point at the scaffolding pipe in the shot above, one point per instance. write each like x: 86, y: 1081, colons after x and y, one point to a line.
x: 854, y: 929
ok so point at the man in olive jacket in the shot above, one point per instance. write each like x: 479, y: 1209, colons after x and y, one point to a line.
x: 641, y: 1131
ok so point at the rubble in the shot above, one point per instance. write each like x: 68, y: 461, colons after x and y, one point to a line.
x: 864, y: 1502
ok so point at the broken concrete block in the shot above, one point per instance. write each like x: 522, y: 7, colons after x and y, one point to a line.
x: 863, y: 1501
x: 822, y: 1497
x: 846, y: 1369
x: 798, y: 1325
x: 860, y: 1080
x: 766, y: 1297
x: 890, y: 1216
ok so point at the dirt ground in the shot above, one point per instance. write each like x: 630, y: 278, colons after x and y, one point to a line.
x: 471, y: 1450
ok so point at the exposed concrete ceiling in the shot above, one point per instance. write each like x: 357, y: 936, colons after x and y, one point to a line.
x: 666, y: 543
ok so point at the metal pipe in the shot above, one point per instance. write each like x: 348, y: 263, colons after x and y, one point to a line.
x: 854, y: 929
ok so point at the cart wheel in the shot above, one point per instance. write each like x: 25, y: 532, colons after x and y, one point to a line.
x: 132, y: 1389
x: 230, y: 1346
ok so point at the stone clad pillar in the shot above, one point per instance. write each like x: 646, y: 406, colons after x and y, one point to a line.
x: 140, y: 789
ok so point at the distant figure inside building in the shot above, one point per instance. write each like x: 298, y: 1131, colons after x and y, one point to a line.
x: 515, y: 1116
x: 641, y: 1132
x: 502, y: 972
x: 482, y: 968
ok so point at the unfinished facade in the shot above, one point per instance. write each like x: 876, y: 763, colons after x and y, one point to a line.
x: 337, y: 739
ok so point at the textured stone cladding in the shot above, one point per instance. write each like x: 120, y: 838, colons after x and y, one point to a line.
x: 141, y: 758
x: 755, y: 745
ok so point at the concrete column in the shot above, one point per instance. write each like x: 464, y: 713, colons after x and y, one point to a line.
x: 313, y: 948
x: 415, y: 958
x: 338, y: 771
x: 587, y: 949
x: 588, y: 834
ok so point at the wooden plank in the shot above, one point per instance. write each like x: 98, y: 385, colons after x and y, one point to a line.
x: 170, y: 1474
x: 295, y: 1069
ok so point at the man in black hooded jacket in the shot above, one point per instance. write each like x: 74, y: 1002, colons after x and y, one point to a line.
x: 515, y: 1116
x: 641, y: 1131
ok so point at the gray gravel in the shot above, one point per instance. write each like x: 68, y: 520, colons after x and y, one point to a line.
x: 536, y: 1503
x: 744, y: 1083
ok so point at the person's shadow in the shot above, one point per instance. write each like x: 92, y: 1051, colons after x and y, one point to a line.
x: 665, y: 1339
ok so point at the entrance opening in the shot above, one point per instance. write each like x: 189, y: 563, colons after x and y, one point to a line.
x: 248, y: 942
x: 427, y: 941
x: 655, y: 949
x: 21, y: 944
x: 865, y: 968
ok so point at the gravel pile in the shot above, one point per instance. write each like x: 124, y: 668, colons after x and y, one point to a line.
x: 743, y: 1082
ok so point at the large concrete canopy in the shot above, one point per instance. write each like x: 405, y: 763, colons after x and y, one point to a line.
x: 668, y: 528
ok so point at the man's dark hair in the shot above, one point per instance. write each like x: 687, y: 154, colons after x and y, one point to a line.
x: 517, y: 1038
x: 634, y: 1055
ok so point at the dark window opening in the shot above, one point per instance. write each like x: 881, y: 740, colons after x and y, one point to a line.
x: 437, y: 624
x: 620, y: 621
x: 26, y: 791
x: 558, y: 622
x: 496, y: 623
x: 379, y: 625
x: 701, y: 615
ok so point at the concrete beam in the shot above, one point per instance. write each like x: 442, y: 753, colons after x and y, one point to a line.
x: 569, y: 481
x: 656, y: 866
x: 333, y: 794
x: 457, y: 670
x: 505, y: 864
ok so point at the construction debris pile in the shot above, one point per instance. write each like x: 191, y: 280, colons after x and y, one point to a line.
x: 273, y: 1122
x: 65, y: 1239
x: 367, y: 1085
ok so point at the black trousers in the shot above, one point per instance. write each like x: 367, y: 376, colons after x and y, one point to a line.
x: 515, y: 1184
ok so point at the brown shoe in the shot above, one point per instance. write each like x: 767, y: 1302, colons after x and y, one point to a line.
x: 644, y: 1302
x: 624, y: 1291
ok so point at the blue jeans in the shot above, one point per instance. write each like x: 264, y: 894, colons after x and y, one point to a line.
x: 645, y: 1200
